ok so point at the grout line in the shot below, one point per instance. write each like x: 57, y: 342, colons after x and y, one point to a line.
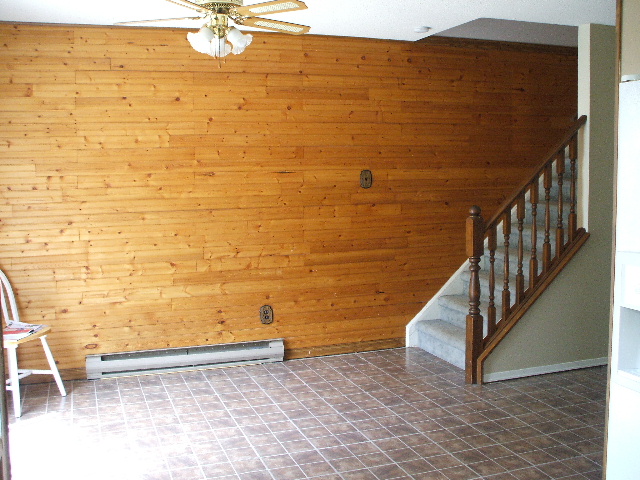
x: 401, y: 408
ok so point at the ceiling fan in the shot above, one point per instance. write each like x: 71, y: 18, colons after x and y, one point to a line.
x: 217, y: 38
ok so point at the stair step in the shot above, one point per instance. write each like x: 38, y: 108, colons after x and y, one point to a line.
x: 554, y: 190
x: 445, y: 337
x: 541, y: 208
x: 454, y: 308
x: 483, y: 277
x: 442, y: 339
x: 498, y: 264
x: 540, y: 224
x: 513, y: 260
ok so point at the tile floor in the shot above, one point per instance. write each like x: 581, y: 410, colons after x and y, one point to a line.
x: 391, y: 414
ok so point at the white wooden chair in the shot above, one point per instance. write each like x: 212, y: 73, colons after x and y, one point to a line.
x: 10, y: 316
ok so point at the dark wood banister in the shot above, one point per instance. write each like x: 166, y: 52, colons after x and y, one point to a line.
x: 577, y: 125
x: 479, y: 345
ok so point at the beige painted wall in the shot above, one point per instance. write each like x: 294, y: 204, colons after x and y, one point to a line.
x: 569, y: 325
x: 630, y: 54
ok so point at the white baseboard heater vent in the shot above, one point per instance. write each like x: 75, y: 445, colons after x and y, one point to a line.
x: 184, y: 358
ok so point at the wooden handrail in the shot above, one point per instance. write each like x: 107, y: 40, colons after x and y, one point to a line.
x: 567, y: 238
x: 577, y: 125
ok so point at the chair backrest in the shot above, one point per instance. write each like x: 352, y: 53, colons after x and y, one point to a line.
x: 7, y: 300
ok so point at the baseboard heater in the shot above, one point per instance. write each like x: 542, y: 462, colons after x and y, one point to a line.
x: 184, y: 358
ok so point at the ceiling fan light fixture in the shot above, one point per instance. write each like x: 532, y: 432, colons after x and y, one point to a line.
x: 218, y: 39
x: 219, y: 47
x: 201, y: 40
x: 238, y: 40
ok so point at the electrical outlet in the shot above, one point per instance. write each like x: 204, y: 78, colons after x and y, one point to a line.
x: 266, y: 314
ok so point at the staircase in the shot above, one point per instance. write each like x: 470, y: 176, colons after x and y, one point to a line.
x: 512, y: 260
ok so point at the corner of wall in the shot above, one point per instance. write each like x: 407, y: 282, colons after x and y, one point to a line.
x: 568, y: 326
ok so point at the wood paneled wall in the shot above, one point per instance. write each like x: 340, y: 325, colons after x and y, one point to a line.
x: 152, y: 197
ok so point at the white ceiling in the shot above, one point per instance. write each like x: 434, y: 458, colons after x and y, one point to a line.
x: 384, y: 19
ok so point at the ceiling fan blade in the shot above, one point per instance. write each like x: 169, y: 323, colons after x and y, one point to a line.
x: 157, y: 20
x: 275, y: 25
x: 191, y: 5
x: 277, y: 6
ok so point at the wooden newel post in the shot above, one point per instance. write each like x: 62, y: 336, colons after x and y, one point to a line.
x: 475, y: 250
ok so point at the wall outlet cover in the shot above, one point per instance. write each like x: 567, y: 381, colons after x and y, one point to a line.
x: 266, y: 314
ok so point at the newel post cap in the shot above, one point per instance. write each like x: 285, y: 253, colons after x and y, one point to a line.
x: 475, y: 211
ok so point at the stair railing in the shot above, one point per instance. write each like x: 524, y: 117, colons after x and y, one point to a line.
x: 560, y: 239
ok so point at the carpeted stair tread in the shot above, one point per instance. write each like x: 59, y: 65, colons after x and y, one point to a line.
x: 443, y: 340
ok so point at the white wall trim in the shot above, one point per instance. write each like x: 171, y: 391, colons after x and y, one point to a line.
x: 558, y: 367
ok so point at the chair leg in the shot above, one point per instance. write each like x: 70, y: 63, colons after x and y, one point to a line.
x: 14, y: 379
x: 52, y: 365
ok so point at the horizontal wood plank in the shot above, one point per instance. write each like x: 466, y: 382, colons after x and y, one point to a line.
x: 151, y: 197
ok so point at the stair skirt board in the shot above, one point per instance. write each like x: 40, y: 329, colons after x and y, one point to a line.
x: 183, y: 358
x: 558, y: 367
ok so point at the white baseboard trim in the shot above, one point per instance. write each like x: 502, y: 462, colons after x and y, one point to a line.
x: 558, y: 367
